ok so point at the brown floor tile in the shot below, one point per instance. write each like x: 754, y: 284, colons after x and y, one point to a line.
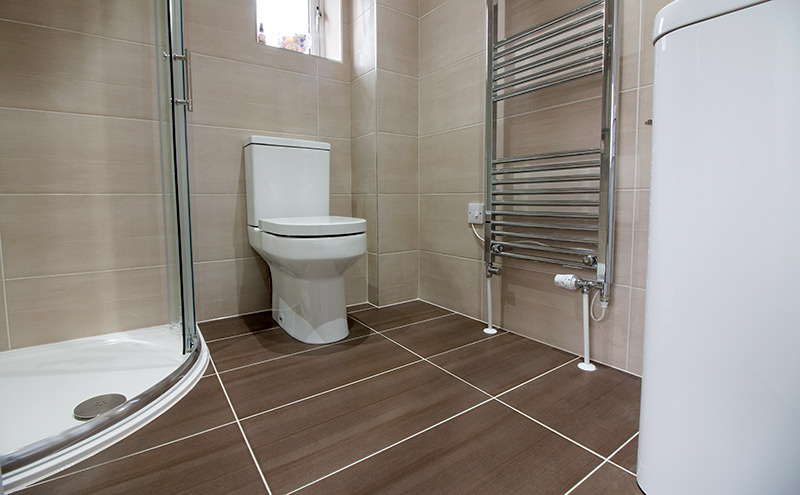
x: 627, y: 456
x: 439, y: 335
x: 209, y: 370
x: 400, y: 314
x: 216, y: 462
x: 204, y: 407
x: 502, y: 362
x: 359, y: 307
x: 489, y: 450
x: 599, y: 409
x: 263, y: 386
x: 237, y: 325
x: 609, y: 480
x: 247, y: 349
x: 301, y: 443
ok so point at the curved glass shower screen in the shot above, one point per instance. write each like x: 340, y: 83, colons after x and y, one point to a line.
x: 95, y: 245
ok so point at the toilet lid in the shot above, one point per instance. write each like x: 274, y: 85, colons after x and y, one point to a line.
x: 313, y: 226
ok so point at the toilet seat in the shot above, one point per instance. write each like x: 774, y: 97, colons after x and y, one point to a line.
x: 313, y: 226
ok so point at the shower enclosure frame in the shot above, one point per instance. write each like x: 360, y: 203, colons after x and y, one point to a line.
x: 38, y: 459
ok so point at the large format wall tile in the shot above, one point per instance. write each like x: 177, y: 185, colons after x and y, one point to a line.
x: 49, y: 69
x: 452, y: 161
x: 340, y: 180
x: 55, y: 234
x: 397, y: 163
x: 363, y: 29
x: 53, y: 309
x: 452, y: 97
x: 398, y: 223
x: 366, y: 206
x: 362, y: 105
x: 334, y: 109
x: 399, y: 279
x: 219, y: 227
x: 398, y: 44
x: 451, y: 282
x: 230, y: 287
x: 397, y: 100
x: 47, y: 152
x: 409, y: 7
x: 444, y: 228
x: 451, y: 33
x: 364, y: 178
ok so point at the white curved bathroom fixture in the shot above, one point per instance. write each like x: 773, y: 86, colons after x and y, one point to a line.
x: 289, y: 225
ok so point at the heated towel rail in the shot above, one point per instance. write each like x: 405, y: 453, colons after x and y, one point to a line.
x: 554, y: 207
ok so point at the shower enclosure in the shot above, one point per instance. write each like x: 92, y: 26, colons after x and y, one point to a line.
x: 95, y: 242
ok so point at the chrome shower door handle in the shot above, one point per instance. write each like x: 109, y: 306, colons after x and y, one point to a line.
x: 186, y: 58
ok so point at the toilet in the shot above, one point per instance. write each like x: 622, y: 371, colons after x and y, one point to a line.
x: 289, y: 225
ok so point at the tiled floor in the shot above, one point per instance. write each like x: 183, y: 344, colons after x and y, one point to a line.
x: 417, y: 400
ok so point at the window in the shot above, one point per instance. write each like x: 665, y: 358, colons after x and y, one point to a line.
x: 312, y: 27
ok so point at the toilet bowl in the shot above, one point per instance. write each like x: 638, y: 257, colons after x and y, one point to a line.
x: 289, y: 226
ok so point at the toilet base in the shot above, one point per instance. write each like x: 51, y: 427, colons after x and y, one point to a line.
x: 310, y: 310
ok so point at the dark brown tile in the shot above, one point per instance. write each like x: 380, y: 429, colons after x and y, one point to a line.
x: 209, y: 370
x: 439, y: 335
x: 253, y: 348
x: 263, y: 386
x: 627, y: 456
x: 359, y: 307
x: 214, y: 462
x: 599, y: 409
x: 204, y: 407
x: 298, y: 444
x: 400, y: 314
x: 489, y: 450
x: 237, y: 325
x: 502, y: 362
x: 609, y: 479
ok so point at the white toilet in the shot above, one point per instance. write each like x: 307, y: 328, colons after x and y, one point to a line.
x: 308, y: 251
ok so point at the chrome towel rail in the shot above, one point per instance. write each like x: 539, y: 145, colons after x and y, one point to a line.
x: 555, y: 207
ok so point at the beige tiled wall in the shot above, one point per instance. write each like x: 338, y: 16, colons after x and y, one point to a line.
x: 451, y: 147
x: 242, y: 89
x: 81, y: 235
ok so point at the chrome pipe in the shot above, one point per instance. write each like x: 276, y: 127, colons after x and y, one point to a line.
x: 548, y: 179
x: 551, y: 249
x: 552, y: 58
x: 589, y: 59
x: 535, y: 192
x: 488, y: 129
x: 544, y: 225
x: 541, y: 259
x: 547, y: 156
x: 547, y: 24
x: 545, y: 214
x: 546, y: 237
x: 548, y: 167
x: 571, y: 77
x: 551, y: 34
x: 588, y: 33
x: 554, y: 202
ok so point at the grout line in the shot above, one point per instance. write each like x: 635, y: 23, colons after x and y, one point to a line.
x: 85, y: 273
x: 324, y: 392
x: 407, y: 324
x: 398, y: 11
x: 138, y: 43
x: 239, y: 424
x: 620, y: 448
x: 242, y: 334
x: 536, y: 377
x: 606, y: 461
x: 459, y: 128
x: 451, y: 65
x: 251, y: 64
x: 76, y: 114
x: 490, y: 337
x: 362, y: 309
x: 585, y: 478
x: 234, y: 316
x: 389, y: 446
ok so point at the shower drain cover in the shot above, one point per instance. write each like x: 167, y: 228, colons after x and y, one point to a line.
x: 95, y: 406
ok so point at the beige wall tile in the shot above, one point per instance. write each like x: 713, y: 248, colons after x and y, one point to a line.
x: 397, y: 163
x: 47, y: 69
x: 47, y: 235
x: 54, y: 309
x: 398, y: 223
x: 623, y: 236
x: 425, y: 6
x: 47, y: 152
x: 3, y: 326
x: 609, y: 337
x: 626, y: 140
x: 341, y: 205
x: 358, y: 7
x: 443, y: 225
x: 219, y: 227
x: 366, y: 206
x: 451, y: 282
x: 230, y: 287
x: 364, y: 43
x: 398, y: 98
x: 372, y: 279
x: 629, y: 37
x: 644, y: 148
x: 399, y: 279
x: 333, y: 69
x: 246, y: 96
x: 410, y: 7
x: 363, y: 114
x: 334, y: 109
x: 452, y: 97
x: 451, y: 33
x: 132, y: 21
x: 355, y: 282
x: 640, y: 237
x: 340, y: 165
x: 636, y: 336
x: 649, y: 10
x: 398, y: 42
x: 228, y: 30
x: 452, y: 161
x: 568, y: 92
x: 364, y: 178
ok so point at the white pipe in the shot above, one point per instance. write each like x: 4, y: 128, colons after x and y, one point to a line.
x: 489, y: 330
x: 586, y: 365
